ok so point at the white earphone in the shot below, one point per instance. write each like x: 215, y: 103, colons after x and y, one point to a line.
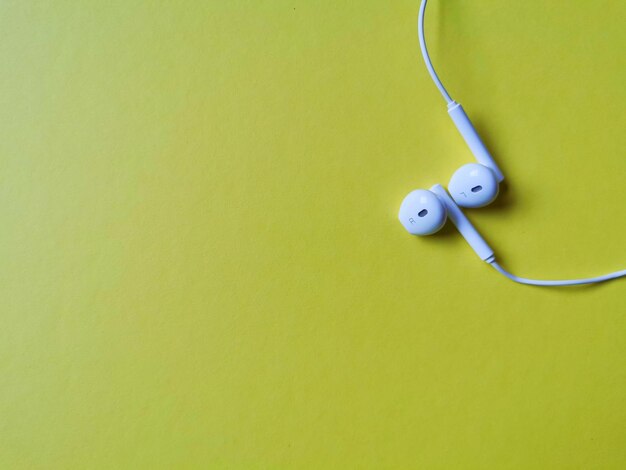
x: 424, y: 212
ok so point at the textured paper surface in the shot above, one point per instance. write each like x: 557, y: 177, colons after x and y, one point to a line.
x: 201, y: 265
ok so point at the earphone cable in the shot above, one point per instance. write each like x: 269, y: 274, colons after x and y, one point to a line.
x: 565, y: 282
x: 429, y: 65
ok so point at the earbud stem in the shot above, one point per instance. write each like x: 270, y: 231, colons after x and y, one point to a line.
x: 462, y: 223
x: 472, y: 139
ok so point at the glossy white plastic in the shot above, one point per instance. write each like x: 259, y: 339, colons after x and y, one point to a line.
x: 462, y: 223
x: 422, y: 213
x: 473, y: 185
x: 472, y: 139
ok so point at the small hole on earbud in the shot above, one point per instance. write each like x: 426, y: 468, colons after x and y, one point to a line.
x: 475, y: 189
x: 422, y: 213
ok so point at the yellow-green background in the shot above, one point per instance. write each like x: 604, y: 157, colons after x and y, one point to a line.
x: 200, y: 262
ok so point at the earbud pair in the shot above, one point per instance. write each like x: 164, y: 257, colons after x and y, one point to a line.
x: 474, y: 185
x: 424, y: 212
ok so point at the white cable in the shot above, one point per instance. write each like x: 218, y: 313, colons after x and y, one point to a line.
x: 565, y: 282
x: 429, y: 65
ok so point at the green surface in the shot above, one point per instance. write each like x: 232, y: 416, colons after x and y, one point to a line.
x: 201, y: 265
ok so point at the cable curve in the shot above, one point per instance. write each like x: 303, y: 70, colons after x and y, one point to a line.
x: 565, y: 282
x: 429, y: 64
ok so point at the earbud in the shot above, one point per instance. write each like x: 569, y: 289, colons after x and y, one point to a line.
x: 472, y: 139
x: 435, y: 206
x: 473, y: 185
x: 422, y: 213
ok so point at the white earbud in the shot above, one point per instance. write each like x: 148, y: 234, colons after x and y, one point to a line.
x: 422, y: 213
x: 472, y: 139
x: 473, y: 185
